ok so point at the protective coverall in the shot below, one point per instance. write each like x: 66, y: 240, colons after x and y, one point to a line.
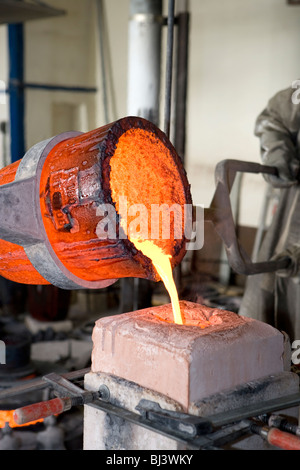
x: 275, y: 297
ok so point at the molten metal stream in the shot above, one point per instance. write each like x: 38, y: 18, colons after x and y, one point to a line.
x: 128, y: 169
x: 143, y: 171
x: 161, y: 262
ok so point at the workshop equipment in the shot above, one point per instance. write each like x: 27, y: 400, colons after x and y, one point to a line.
x: 276, y: 437
x: 71, y: 395
x: 54, y: 200
x: 220, y: 215
x: 52, y: 207
x: 151, y: 414
x: 200, y: 368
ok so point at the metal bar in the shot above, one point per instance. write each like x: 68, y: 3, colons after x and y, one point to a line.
x: 16, y: 94
x: 49, y: 87
x: 63, y: 386
x: 257, y: 409
x: 39, y: 384
x: 169, y: 67
x: 183, y: 21
x: 217, y: 438
x: 220, y: 214
x: 269, y: 194
x: 179, y: 422
x: 102, y: 58
x: 137, y: 419
x: 229, y: 425
x: 222, y: 436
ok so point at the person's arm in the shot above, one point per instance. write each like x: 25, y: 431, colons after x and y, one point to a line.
x: 277, y: 127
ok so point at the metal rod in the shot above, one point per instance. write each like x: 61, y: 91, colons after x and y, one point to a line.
x: 169, y: 67
x: 219, y: 437
x: 39, y: 384
x: 144, y: 59
x: 256, y: 409
x: 181, y: 82
x: 16, y: 93
x: 139, y: 420
x: 102, y: 57
x: 262, y: 222
x: 49, y: 87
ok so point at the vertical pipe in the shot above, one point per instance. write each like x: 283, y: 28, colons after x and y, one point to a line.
x: 181, y: 70
x: 144, y: 71
x: 144, y: 59
x: 108, y: 89
x: 182, y: 57
x: 16, y: 90
x: 100, y: 13
x: 169, y: 67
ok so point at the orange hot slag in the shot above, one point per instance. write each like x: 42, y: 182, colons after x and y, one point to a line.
x: 150, y: 161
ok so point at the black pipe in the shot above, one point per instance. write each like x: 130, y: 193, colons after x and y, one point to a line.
x: 169, y: 67
x: 183, y: 25
x: 16, y: 92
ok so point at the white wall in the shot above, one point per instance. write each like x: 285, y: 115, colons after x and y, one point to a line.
x: 241, y: 53
x: 61, y: 51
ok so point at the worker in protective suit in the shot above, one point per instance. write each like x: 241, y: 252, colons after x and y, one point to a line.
x: 275, y: 297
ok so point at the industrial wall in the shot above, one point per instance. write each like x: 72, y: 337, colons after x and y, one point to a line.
x: 241, y: 53
x: 61, y: 52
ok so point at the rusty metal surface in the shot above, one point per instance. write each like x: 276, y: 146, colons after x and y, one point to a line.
x: 220, y: 214
x: 52, y: 207
x: 68, y: 394
x: 41, y: 410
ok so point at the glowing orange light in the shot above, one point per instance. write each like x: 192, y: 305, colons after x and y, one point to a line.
x: 162, y: 264
x: 129, y: 158
x: 6, y: 416
x: 148, y: 177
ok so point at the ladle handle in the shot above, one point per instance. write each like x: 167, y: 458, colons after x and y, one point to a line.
x: 220, y: 214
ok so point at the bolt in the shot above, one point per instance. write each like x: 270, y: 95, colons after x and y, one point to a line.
x: 104, y: 393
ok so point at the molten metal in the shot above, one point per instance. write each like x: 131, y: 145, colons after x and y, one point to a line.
x: 146, y: 155
x: 162, y: 264
x: 50, y: 200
